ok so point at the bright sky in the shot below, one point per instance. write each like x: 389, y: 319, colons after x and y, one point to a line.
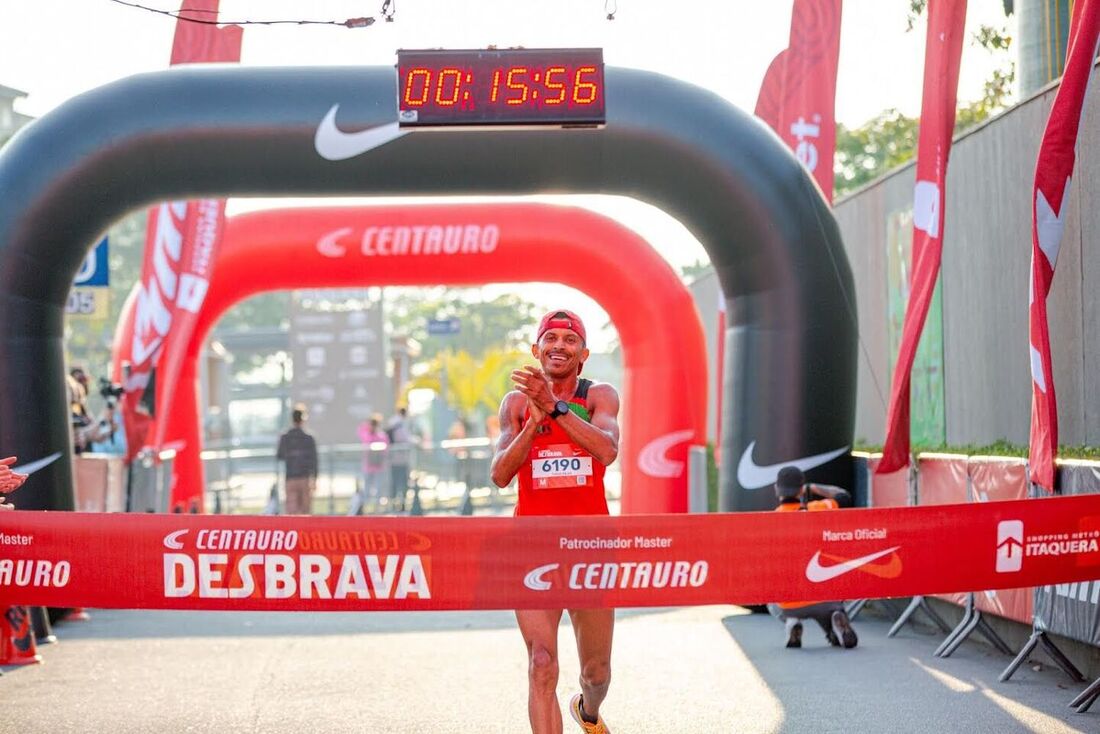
x: 55, y: 49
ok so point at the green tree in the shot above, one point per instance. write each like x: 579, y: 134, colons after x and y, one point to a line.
x: 263, y: 311
x: 866, y: 152
x: 503, y: 322
x: 890, y: 139
x: 688, y: 273
x: 472, y: 385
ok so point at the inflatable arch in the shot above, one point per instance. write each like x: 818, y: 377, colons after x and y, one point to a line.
x: 664, y: 355
x: 790, y: 383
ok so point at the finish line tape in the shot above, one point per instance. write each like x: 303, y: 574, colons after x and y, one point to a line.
x: 303, y: 563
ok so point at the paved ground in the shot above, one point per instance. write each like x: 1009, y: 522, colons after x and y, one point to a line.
x: 705, y: 669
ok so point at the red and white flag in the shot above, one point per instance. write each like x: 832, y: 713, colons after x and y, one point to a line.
x: 943, y: 54
x: 179, y: 251
x: 1053, y: 170
x: 798, y: 94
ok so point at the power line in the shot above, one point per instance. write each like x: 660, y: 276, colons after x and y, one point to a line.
x: 181, y: 14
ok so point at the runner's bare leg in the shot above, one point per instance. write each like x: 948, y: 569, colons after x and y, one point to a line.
x: 593, y: 629
x: 539, y: 628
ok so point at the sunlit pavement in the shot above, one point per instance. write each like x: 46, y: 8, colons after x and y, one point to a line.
x: 705, y: 669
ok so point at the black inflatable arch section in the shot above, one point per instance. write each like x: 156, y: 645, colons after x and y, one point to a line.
x: 790, y: 382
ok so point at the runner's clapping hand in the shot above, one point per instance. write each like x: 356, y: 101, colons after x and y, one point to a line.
x: 9, y: 480
x: 533, y: 382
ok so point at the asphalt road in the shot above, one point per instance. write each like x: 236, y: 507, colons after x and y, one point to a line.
x: 704, y: 669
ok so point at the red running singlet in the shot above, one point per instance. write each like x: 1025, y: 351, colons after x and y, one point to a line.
x: 559, y: 477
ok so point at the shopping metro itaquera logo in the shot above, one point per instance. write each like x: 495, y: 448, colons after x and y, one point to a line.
x: 1013, y: 545
x: 1010, y: 546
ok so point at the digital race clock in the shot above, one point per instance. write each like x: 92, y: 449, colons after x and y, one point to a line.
x: 500, y: 87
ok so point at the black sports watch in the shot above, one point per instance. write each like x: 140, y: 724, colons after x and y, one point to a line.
x: 560, y: 408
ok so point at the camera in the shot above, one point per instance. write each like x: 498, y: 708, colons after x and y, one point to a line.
x: 110, y: 391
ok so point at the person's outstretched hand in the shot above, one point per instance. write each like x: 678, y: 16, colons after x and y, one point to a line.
x: 9, y: 480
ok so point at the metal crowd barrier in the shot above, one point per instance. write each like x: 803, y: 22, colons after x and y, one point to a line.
x: 446, y: 476
x: 149, y: 483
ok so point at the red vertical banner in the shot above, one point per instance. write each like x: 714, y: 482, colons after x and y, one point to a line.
x: 797, y: 97
x: 943, y: 54
x: 179, y: 248
x: 769, y: 102
x: 1053, y: 170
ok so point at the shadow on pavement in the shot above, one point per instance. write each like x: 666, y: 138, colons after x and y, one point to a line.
x: 897, y: 685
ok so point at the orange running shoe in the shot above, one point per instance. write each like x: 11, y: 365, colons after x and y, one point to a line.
x: 575, y: 709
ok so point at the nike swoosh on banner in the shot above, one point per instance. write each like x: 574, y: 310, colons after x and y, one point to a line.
x: 33, y: 466
x: 652, y: 459
x: 817, y: 573
x: 889, y: 570
x: 750, y: 475
x: 334, y: 144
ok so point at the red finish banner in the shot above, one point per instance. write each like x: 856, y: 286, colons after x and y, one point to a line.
x: 943, y: 54
x: 357, y: 563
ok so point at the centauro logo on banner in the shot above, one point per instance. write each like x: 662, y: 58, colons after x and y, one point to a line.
x: 622, y: 575
x: 38, y: 573
x: 269, y: 564
x: 1013, y: 546
x: 425, y: 239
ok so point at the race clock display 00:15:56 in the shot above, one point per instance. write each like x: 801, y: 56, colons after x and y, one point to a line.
x: 514, y: 86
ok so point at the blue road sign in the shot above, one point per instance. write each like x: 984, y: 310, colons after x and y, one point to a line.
x: 438, y: 327
x: 94, y: 270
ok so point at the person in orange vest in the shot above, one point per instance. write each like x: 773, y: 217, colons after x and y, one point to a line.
x: 794, y: 493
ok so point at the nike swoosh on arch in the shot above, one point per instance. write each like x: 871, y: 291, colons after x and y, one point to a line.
x: 817, y: 573
x: 334, y: 144
x: 33, y: 466
x: 751, y: 475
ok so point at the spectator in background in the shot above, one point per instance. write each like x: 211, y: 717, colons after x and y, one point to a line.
x: 298, y: 450
x: 399, y: 433
x: 375, y: 443
x: 9, y: 481
x: 114, y: 442
x: 794, y: 492
x: 86, y: 430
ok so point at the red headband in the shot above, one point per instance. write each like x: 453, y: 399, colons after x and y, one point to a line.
x: 562, y: 319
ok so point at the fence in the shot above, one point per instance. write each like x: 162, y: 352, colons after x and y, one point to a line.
x: 446, y: 476
x: 1069, y: 610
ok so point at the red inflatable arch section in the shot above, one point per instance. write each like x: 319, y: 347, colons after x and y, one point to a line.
x: 664, y: 355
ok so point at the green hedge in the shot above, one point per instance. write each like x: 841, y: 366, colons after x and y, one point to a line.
x: 997, y: 448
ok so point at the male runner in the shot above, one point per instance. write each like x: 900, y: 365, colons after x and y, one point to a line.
x: 554, y: 412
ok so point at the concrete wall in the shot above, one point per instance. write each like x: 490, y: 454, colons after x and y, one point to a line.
x: 986, y: 258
